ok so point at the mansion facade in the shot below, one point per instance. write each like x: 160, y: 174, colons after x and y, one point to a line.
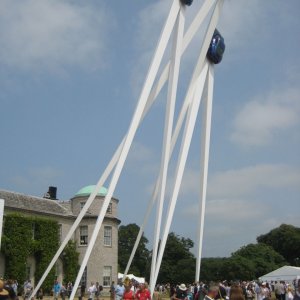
x: 102, y: 265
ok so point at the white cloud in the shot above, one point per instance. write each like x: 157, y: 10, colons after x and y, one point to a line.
x: 52, y: 34
x: 261, y: 118
x: 242, y: 204
x: 246, y: 182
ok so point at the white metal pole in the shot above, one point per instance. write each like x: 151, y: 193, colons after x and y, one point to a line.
x: 188, y: 36
x: 205, y: 151
x: 190, y: 95
x: 205, y: 143
x: 155, y: 91
x: 131, y: 132
x: 166, y: 151
x: 1, y: 218
x: 83, y: 211
x: 178, y: 127
x: 185, y: 144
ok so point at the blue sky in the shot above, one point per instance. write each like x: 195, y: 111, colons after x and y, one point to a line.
x: 70, y: 76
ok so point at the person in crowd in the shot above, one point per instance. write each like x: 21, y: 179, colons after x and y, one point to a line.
x: 15, y: 286
x: 9, y: 288
x: 112, y: 291
x: 56, y: 289
x: 289, y: 293
x: 63, y: 292
x: 250, y: 294
x: 119, y: 290
x: 69, y: 288
x: 40, y: 294
x: 157, y: 294
x: 181, y: 292
x: 277, y: 290
x: 172, y: 291
x: 236, y: 292
x: 82, y: 291
x: 264, y: 292
x: 143, y: 292
x: 4, y: 295
x: 92, y: 291
x: 189, y: 292
x: 297, y: 292
x: 221, y: 293
x: 27, y: 289
x: 282, y: 290
x: 212, y: 292
x: 128, y: 292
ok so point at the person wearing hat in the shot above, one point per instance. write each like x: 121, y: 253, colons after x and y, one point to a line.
x: 181, y: 292
x: 4, y: 295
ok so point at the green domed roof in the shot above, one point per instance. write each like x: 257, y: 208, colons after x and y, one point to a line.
x: 87, y: 190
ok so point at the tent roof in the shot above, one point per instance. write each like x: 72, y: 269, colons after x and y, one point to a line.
x: 131, y: 276
x: 287, y: 273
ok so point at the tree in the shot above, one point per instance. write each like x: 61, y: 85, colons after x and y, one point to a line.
x: 264, y: 258
x: 70, y: 262
x: 284, y: 239
x: 211, y: 269
x: 178, y: 263
x: 127, y: 237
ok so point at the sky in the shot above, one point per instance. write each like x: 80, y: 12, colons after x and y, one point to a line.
x: 70, y: 77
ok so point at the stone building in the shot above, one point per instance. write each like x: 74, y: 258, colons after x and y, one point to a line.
x: 103, y: 262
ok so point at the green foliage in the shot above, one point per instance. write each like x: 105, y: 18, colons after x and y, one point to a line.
x: 17, y: 245
x: 211, y: 269
x: 127, y: 237
x: 284, y: 239
x: 32, y: 236
x: 178, y: 264
x: 238, y: 267
x: 264, y: 258
x: 248, y: 263
x: 70, y: 262
x: 47, y: 238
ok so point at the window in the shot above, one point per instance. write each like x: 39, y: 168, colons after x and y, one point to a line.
x: 107, y: 275
x: 82, y: 205
x: 83, y: 280
x: 109, y: 209
x: 107, y: 235
x: 83, y: 235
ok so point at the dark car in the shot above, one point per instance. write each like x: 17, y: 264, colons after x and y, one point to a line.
x: 216, y: 48
x: 187, y: 2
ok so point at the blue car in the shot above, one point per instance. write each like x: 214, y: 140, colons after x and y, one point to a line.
x: 216, y: 48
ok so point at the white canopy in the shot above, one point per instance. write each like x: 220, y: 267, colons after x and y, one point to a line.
x: 131, y: 276
x: 286, y: 273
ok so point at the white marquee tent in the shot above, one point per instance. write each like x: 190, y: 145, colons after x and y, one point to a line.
x: 286, y: 273
x: 131, y: 276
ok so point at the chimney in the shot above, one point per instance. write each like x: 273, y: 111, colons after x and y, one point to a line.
x: 51, y: 194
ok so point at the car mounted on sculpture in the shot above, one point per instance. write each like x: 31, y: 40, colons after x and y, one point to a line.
x: 216, y: 48
x: 186, y: 2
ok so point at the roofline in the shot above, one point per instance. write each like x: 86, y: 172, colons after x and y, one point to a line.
x: 37, y: 212
x: 74, y: 217
x: 97, y: 196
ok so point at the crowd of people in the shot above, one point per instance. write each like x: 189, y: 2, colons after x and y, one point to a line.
x: 132, y: 290
x: 236, y: 291
x: 129, y: 290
